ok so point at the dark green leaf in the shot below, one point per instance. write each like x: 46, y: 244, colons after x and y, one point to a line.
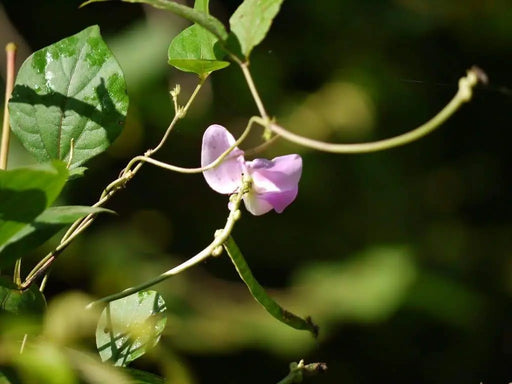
x: 4, y: 379
x: 25, y: 193
x: 128, y: 327
x: 207, y: 21
x: 195, y: 49
x: 142, y: 377
x: 251, y: 22
x: 47, y: 224
x: 17, y: 302
x: 259, y: 294
x: 68, y: 213
x: 77, y: 172
x: 69, y: 94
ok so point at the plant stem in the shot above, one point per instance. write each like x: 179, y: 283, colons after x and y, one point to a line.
x: 263, y: 146
x: 81, y: 224
x: 10, y: 50
x: 17, y: 273
x: 299, y: 370
x: 213, y: 164
x: 212, y: 249
x: 248, y: 78
x: 178, y: 114
x: 463, y: 95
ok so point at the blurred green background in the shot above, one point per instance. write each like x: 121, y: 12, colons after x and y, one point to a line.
x: 403, y: 258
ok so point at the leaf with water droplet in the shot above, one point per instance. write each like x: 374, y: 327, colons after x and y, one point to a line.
x: 69, y: 98
x: 128, y: 327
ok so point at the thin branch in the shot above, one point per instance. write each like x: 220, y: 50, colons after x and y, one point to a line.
x: 81, y: 224
x: 213, y: 249
x: 299, y: 370
x: 463, y: 95
x: 10, y: 50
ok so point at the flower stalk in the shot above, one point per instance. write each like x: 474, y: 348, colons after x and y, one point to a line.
x: 212, y: 249
x: 81, y: 224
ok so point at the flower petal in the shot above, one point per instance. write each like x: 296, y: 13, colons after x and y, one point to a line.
x: 279, y: 174
x: 280, y: 200
x: 227, y: 176
x: 275, y: 183
x: 256, y: 205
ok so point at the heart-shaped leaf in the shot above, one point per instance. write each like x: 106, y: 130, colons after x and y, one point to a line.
x: 47, y: 224
x: 25, y: 193
x: 196, y: 49
x: 128, y: 327
x: 251, y: 22
x: 69, y: 98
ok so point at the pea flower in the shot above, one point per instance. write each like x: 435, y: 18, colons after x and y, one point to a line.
x: 274, y: 183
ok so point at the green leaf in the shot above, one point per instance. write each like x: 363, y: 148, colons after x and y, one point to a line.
x: 195, y: 49
x: 17, y: 302
x: 43, y: 362
x: 4, y: 379
x: 128, y: 327
x: 69, y: 94
x: 251, y: 22
x: 259, y: 294
x: 47, y: 224
x: 142, y: 377
x: 77, y: 172
x: 25, y: 193
x: 67, y: 214
x: 207, y: 21
x: 367, y: 287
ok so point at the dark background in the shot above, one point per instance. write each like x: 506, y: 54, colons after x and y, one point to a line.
x: 403, y: 257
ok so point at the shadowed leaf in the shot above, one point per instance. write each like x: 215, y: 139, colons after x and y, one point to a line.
x: 69, y: 97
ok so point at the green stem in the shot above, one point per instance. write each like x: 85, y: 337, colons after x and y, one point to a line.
x: 463, y: 95
x: 260, y: 148
x: 213, y: 164
x: 179, y: 113
x: 10, y: 50
x: 17, y: 273
x: 299, y: 370
x: 261, y: 296
x: 211, y: 250
x: 81, y: 224
x: 248, y: 78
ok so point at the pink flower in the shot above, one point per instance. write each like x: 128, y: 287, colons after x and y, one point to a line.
x: 274, y: 183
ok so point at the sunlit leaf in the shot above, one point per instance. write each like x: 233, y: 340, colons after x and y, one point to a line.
x: 128, y: 327
x: 69, y: 98
x: 195, y: 49
x: 47, y: 224
x: 45, y: 363
x: 25, y: 193
x: 259, y: 294
x: 251, y: 22
x: 20, y: 302
x: 207, y: 21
